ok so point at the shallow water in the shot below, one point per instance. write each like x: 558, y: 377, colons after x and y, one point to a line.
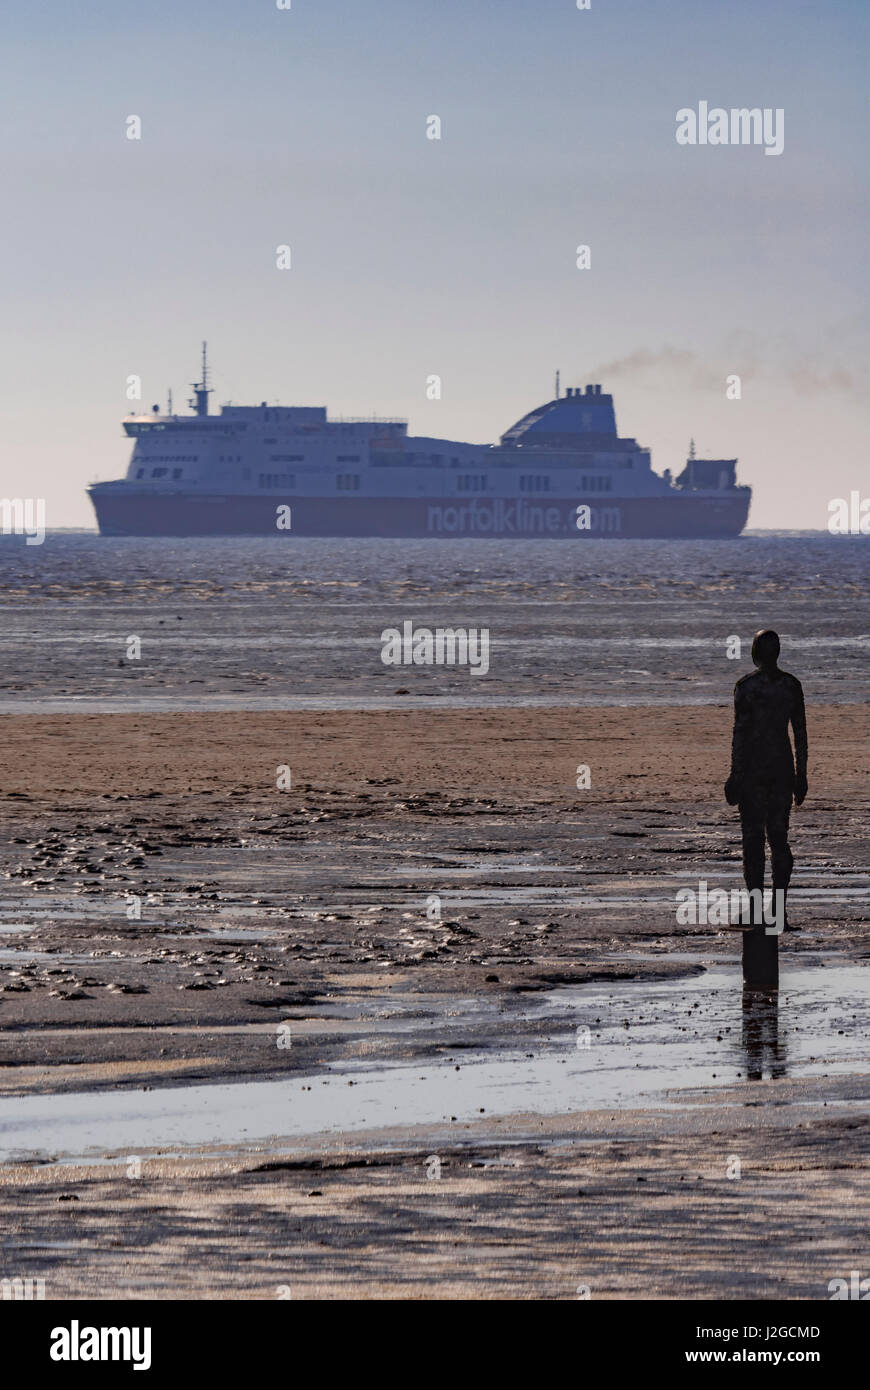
x: 647, y: 1042
x: 260, y: 623
x: 226, y: 917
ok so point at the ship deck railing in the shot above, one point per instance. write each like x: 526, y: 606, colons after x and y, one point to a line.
x: 367, y: 420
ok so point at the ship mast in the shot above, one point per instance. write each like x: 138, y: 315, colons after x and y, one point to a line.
x: 557, y: 386
x: 201, y: 389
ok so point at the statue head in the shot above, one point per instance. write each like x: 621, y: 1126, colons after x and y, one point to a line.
x: 765, y: 649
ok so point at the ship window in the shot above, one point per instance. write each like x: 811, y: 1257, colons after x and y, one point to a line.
x: 277, y: 480
x: 159, y: 472
x: 270, y: 441
x: 471, y: 482
x: 176, y: 472
x: 347, y: 482
x: 140, y: 473
x: 174, y: 458
x: 347, y: 458
x: 530, y: 482
x: 287, y: 458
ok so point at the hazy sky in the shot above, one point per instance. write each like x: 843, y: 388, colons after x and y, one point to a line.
x: 411, y: 256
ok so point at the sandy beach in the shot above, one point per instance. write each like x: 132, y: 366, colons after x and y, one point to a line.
x: 310, y: 909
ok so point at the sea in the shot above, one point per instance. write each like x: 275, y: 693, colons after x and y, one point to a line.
x: 97, y: 624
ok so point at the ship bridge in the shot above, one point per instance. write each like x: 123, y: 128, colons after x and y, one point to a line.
x: 579, y: 419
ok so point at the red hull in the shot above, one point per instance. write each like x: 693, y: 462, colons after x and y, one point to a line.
x: 123, y: 510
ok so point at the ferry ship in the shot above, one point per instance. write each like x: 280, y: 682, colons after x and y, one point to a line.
x: 560, y: 471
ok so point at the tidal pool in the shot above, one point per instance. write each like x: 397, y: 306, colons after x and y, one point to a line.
x: 613, y: 1045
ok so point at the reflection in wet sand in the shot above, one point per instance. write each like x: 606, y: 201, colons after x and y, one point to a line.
x: 765, y: 1051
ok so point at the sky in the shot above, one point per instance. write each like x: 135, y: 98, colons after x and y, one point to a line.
x: 307, y: 127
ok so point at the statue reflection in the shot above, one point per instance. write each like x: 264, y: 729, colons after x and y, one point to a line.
x: 765, y: 1052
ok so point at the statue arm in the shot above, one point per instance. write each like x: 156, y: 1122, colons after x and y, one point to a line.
x: 734, y: 785
x: 799, y: 726
x: 739, y: 735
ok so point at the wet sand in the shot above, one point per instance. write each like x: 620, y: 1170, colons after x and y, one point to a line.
x: 628, y: 1204
x: 307, y: 907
